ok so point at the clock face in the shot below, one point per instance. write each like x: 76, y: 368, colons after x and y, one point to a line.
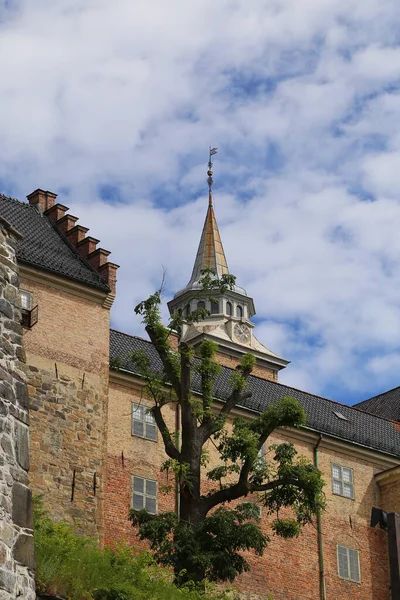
x: 242, y: 333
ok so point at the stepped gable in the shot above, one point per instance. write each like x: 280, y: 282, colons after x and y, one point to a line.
x: 353, y: 425
x: 52, y: 241
x: 385, y: 405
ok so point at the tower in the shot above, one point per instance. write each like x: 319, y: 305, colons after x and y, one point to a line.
x: 229, y: 321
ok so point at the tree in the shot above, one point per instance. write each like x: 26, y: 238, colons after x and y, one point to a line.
x: 213, y: 528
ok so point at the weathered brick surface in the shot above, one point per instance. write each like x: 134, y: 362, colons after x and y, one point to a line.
x: 67, y: 374
x: 17, y: 559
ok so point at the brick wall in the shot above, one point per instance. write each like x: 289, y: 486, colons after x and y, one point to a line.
x: 289, y: 569
x: 129, y: 455
x: 16, y: 523
x: 67, y: 371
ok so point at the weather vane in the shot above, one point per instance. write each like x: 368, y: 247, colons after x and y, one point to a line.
x: 209, y: 172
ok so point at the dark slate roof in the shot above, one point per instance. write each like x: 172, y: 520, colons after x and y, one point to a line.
x: 358, y: 426
x: 384, y: 405
x: 42, y: 245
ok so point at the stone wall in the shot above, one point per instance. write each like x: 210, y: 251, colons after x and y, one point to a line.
x: 16, y: 524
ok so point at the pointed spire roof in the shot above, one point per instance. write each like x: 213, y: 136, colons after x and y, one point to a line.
x: 210, y: 254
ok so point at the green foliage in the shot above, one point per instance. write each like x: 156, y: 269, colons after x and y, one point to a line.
x: 116, y: 363
x: 212, y: 550
x: 286, y: 528
x: 75, y: 568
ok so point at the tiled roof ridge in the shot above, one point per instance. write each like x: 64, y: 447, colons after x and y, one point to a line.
x: 276, y: 383
x: 130, y: 335
x: 397, y: 387
x: 56, y: 216
x: 64, y: 238
x: 41, y: 245
x: 19, y: 202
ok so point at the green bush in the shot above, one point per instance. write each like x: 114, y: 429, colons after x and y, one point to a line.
x: 75, y: 568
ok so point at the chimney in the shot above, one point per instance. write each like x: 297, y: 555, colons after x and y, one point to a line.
x: 77, y: 234
x: 109, y: 272
x: 66, y: 223
x: 87, y: 246
x: 56, y: 212
x: 98, y: 257
x: 42, y: 200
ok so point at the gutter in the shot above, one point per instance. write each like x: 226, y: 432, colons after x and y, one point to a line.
x: 322, y: 584
x: 178, y: 445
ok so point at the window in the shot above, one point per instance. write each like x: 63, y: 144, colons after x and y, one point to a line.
x: 144, y: 494
x: 187, y: 310
x: 342, y: 481
x: 256, y: 508
x: 348, y: 563
x: 339, y: 415
x: 214, y: 308
x: 26, y: 300
x: 201, y: 304
x: 239, y: 311
x: 29, y: 312
x: 262, y: 454
x: 228, y: 308
x: 143, y: 423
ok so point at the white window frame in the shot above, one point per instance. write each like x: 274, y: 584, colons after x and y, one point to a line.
x: 143, y: 495
x: 354, y: 552
x: 342, y: 481
x: 27, y: 294
x: 147, y: 421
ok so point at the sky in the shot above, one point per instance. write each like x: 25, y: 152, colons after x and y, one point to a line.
x: 113, y: 105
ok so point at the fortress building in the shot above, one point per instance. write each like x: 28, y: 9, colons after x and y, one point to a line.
x: 95, y: 452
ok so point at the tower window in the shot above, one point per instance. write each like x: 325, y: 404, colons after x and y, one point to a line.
x: 187, y: 310
x: 214, y: 308
x: 228, y: 308
x: 239, y: 311
x: 201, y: 304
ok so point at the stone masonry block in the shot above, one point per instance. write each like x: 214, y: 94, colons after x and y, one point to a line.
x: 22, y: 445
x: 7, y: 580
x: 22, y: 513
x: 23, y: 550
x: 22, y: 394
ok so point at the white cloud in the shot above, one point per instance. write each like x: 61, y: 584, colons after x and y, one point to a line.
x: 301, y: 98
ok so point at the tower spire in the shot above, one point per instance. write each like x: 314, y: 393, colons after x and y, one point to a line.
x: 210, y: 176
x: 210, y: 254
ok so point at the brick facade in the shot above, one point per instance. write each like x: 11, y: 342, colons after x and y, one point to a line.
x: 289, y: 569
x: 67, y: 373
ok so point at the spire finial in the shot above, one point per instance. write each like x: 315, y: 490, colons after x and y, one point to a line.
x: 210, y: 174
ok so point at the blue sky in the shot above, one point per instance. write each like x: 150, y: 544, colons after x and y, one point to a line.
x: 114, y: 105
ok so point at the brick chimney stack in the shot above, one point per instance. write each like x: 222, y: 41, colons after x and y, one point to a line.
x: 43, y: 200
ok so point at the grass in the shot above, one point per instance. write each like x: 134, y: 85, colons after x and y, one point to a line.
x: 75, y: 568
